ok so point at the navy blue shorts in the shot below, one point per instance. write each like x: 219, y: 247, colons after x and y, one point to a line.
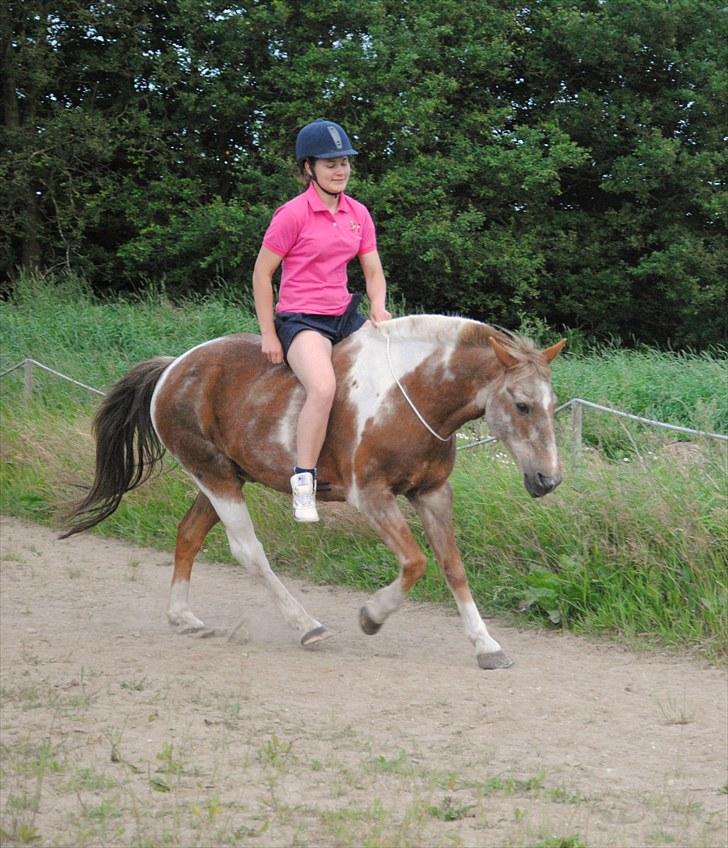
x: 333, y: 327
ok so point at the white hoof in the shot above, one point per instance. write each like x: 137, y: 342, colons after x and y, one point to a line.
x: 185, y: 621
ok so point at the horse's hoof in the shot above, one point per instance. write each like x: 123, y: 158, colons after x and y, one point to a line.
x: 318, y: 634
x: 367, y: 623
x: 185, y: 626
x: 497, y: 659
x: 185, y: 622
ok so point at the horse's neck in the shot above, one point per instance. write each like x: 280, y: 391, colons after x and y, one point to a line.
x: 432, y: 372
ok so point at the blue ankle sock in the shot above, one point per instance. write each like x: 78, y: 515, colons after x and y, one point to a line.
x: 298, y: 470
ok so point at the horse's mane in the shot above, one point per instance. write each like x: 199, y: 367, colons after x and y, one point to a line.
x: 453, y: 329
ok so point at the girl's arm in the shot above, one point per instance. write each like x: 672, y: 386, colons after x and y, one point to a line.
x: 376, y: 286
x: 265, y: 266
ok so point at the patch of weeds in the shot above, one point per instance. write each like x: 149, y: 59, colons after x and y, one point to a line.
x: 560, y: 842
x: 352, y: 825
x: 33, y: 762
x: 344, y: 780
x: 562, y: 796
x: 447, y: 780
x: 232, y: 714
x: 22, y: 803
x: 84, y: 698
x: 29, y: 697
x: 21, y: 834
x: 102, y: 812
x: 210, y: 811
x: 37, y: 760
x: 275, y: 751
x: 114, y: 739
x: 660, y: 837
x: 136, y: 685
x: 511, y: 785
x: 676, y: 711
x: 171, y: 764
x: 528, y: 786
x: 686, y: 807
x: 246, y: 832
x: 376, y: 827
x: 400, y: 765
x: 90, y: 780
x: 12, y: 556
x: 448, y: 810
x: 159, y: 784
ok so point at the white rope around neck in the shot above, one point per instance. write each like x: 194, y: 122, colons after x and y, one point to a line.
x: 407, y: 397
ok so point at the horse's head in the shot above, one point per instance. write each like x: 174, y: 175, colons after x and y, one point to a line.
x: 520, y: 412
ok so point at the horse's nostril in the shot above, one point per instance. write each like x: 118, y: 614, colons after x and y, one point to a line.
x: 548, y: 483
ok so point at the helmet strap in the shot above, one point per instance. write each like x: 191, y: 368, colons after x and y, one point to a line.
x: 311, y: 161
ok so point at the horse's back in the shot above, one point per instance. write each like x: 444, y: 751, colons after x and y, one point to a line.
x: 223, y: 398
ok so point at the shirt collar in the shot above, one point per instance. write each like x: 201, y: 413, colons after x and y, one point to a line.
x: 315, y: 202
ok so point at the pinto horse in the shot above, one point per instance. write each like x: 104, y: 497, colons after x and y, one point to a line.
x: 404, y: 388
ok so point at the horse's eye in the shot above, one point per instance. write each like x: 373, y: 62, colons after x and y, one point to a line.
x: 523, y: 408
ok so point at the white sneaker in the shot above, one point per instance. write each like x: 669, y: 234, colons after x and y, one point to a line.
x: 304, y: 497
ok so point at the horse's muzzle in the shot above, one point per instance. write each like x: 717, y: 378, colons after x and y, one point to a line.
x: 537, y: 485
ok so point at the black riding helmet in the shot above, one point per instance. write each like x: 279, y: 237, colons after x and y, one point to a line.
x: 322, y: 139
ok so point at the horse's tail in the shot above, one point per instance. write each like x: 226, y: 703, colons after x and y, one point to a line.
x: 127, y: 447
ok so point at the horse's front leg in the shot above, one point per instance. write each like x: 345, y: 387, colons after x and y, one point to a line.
x: 381, y: 510
x: 435, y: 510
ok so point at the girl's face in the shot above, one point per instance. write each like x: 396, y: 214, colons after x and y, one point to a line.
x: 333, y: 174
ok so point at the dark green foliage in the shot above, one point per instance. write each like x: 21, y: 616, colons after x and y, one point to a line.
x: 561, y: 161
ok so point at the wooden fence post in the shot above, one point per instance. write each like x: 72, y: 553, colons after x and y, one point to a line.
x: 28, y: 380
x: 576, y: 428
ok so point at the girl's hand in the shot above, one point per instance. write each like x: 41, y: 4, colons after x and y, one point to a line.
x: 378, y: 314
x: 272, y: 349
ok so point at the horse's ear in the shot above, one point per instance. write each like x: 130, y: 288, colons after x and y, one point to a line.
x: 552, y: 352
x: 508, y: 360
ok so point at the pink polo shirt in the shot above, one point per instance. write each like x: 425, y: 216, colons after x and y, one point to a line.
x: 316, y: 247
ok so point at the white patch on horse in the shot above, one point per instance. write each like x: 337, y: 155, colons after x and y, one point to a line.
x: 412, y: 340
x: 248, y: 551
x: 546, y: 396
x: 547, y: 400
x: 178, y: 611
x: 163, y: 379
x: 481, y: 397
x: 385, y: 601
x: 475, y: 628
x: 285, y: 430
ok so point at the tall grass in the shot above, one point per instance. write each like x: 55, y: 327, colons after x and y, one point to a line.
x: 634, y: 542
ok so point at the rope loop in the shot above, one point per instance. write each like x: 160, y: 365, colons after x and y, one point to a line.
x: 407, y: 397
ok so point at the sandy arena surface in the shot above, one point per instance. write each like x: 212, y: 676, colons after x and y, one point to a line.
x: 118, y: 731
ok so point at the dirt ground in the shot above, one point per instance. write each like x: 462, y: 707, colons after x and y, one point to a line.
x: 118, y: 731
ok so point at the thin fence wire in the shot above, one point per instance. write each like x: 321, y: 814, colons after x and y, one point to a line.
x: 28, y: 364
x: 575, y: 404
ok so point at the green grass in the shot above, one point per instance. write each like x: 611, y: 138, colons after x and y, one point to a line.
x: 633, y: 543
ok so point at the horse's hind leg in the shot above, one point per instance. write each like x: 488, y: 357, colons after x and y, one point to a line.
x: 230, y: 506
x: 435, y: 510
x: 191, y: 533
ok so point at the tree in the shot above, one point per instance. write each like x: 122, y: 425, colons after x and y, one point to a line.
x: 562, y: 160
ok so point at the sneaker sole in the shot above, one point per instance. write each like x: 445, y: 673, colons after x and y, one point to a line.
x: 306, y: 520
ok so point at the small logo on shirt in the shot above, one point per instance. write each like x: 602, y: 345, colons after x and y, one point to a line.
x: 354, y: 226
